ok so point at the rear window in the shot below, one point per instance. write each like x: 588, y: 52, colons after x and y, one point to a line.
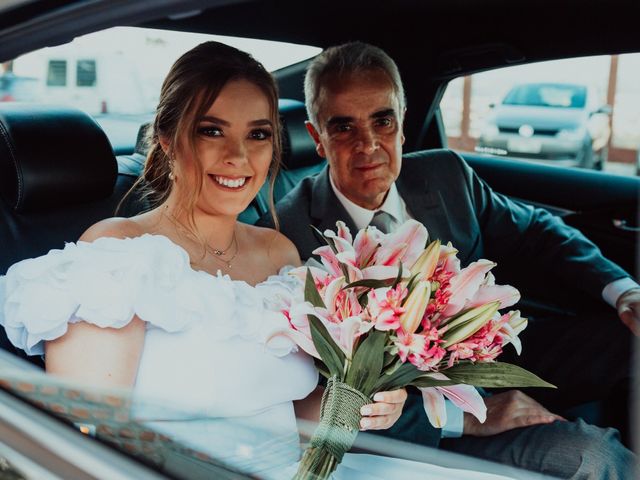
x: 115, y: 75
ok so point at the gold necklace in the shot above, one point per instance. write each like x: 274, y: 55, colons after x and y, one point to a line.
x: 215, y: 252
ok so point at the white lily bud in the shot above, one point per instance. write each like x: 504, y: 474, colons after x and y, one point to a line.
x: 464, y: 317
x: 415, y: 306
x: 517, y: 323
x: 461, y: 329
x: 426, y: 263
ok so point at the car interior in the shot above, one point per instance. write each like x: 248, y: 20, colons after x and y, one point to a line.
x: 59, y: 173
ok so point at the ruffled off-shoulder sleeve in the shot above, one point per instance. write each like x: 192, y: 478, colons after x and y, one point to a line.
x: 105, y: 282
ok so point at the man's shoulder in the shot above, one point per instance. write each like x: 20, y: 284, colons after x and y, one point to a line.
x: 435, y: 166
x: 298, y: 201
x: 294, y: 204
x: 442, y: 157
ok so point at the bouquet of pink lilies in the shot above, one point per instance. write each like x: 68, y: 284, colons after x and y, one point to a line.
x: 385, y: 312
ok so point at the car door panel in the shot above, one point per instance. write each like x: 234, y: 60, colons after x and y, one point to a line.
x: 603, y: 207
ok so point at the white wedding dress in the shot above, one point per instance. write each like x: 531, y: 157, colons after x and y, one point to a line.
x: 208, y: 348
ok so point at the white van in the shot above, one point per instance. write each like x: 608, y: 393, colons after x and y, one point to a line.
x: 90, y: 75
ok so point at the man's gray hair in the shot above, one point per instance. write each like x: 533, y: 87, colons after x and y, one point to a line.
x: 347, y: 59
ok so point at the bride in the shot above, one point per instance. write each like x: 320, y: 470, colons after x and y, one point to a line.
x: 176, y: 299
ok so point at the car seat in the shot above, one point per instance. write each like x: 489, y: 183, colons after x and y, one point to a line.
x: 58, y: 176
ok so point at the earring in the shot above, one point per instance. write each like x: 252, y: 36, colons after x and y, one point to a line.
x: 172, y: 175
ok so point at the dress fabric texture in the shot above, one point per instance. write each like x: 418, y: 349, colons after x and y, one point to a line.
x: 209, y: 350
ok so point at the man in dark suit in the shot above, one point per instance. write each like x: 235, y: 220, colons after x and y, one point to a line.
x: 355, y: 104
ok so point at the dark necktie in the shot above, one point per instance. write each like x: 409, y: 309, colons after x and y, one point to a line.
x: 382, y: 221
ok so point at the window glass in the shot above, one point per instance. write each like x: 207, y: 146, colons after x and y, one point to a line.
x: 119, y: 71
x: 86, y: 73
x: 57, y: 73
x: 582, y: 112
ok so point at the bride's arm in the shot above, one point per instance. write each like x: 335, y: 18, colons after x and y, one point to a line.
x: 309, y: 408
x: 380, y: 415
x: 97, y: 356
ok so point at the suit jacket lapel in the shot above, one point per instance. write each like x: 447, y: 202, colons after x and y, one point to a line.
x: 326, y: 209
x: 425, y: 204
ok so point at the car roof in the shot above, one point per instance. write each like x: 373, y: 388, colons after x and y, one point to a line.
x: 431, y: 41
x: 450, y: 36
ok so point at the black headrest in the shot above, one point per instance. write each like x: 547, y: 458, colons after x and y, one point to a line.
x: 298, y: 148
x: 52, y: 156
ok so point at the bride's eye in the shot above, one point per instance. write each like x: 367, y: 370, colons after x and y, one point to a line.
x: 209, y: 131
x: 260, y: 134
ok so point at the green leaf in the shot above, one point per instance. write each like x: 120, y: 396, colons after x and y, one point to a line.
x: 398, y: 277
x: 311, y: 293
x: 367, y: 362
x: 426, y: 381
x: 363, y: 299
x: 402, y: 376
x: 496, y: 374
x: 322, y: 368
x: 369, y: 283
x: 388, y: 359
x: 331, y: 354
x: 328, y: 240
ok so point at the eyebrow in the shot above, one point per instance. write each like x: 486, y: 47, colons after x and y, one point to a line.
x: 218, y: 121
x: 379, y: 114
x: 387, y: 112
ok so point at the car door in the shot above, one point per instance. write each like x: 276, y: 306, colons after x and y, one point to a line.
x: 603, y: 205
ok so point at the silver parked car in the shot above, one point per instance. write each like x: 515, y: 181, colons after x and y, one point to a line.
x: 557, y: 123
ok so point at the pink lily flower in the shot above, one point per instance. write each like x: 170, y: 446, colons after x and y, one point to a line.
x: 382, y: 272
x: 411, y: 345
x: 510, y: 329
x: 341, y: 240
x: 465, y: 284
x: 505, y: 294
x: 461, y: 351
x: 448, y: 259
x: 365, y: 246
x: 299, y: 330
x: 344, y: 232
x: 413, y: 235
x: 490, y: 292
x: 390, y: 255
x: 430, y: 359
x: 349, y: 330
x: 320, y: 277
x: 329, y: 260
x: 465, y: 397
x: 384, y: 307
x: 331, y: 294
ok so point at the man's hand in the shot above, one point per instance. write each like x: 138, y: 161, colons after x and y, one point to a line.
x: 508, y: 410
x: 628, y: 306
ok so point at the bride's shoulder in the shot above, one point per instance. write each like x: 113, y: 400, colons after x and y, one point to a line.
x: 116, y: 227
x: 279, y: 249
